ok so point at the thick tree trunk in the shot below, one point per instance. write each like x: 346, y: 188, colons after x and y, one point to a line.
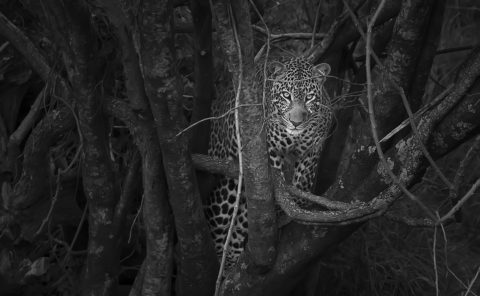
x: 197, y: 261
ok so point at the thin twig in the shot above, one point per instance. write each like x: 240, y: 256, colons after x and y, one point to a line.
x: 410, y: 221
x: 427, y: 155
x: 267, y: 30
x: 461, y: 202
x: 213, y: 118
x: 419, y: 113
x: 453, y: 49
x: 434, y: 250
x: 135, y: 218
x: 446, y: 261
x: 453, y: 194
x: 316, y: 23
x: 295, y: 35
x: 470, y: 286
x: 240, y: 156
x: 27, y: 123
x: 459, y: 280
x: 3, y: 46
x: 77, y: 233
x: 57, y: 189
x: 52, y: 205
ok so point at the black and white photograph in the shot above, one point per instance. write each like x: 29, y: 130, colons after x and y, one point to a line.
x: 239, y: 147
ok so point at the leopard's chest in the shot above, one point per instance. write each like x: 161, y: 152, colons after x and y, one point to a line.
x: 292, y: 144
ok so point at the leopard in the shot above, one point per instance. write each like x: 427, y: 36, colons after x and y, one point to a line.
x: 298, y: 117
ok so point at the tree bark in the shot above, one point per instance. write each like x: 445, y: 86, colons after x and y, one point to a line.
x: 197, y: 261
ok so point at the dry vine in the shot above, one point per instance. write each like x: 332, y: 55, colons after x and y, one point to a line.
x: 240, y: 155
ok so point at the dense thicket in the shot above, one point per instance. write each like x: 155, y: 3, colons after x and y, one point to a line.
x: 103, y: 175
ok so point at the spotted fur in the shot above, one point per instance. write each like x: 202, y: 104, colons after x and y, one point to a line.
x: 298, y: 121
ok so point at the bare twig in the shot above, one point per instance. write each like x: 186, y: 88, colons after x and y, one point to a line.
x: 3, y: 46
x: 421, y: 144
x: 472, y: 282
x: 140, y: 207
x: 52, y: 205
x: 317, y: 14
x: 58, y: 187
x: 419, y: 113
x: 318, y: 50
x: 434, y: 251
x: 454, y: 49
x: 461, y: 202
x: 267, y: 31
x: 240, y: 156
x: 77, y: 233
x: 453, y: 194
x: 282, y: 36
x: 27, y: 123
x: 413, y: 222
x: 213, y: 118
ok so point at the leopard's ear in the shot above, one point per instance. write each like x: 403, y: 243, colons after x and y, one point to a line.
x: 323, y: 69
x: 276, y: 68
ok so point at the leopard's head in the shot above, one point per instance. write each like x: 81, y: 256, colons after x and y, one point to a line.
x: 297, y: 98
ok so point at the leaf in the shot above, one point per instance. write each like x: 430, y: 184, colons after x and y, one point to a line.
x: 38, y: 267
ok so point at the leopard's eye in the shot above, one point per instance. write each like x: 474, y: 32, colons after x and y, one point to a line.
x: 285, y: 95
x: 310, y: 97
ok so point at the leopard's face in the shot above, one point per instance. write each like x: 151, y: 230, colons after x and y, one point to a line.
x: 297, y: 98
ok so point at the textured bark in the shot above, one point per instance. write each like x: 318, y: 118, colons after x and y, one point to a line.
x: 157, y: 268
x: 121, y: 20
x: 156, y: 275
x: 78, y: 41
x: 25, y: 47
x: 459, y: 125
x: 262, y: 232
x: 299, y: 245
x: 400, y: 64
x: 333, y: 153
x: 377, y: 179
x: 32, y: 185
x: 346, y: 32
x: 196, y: 257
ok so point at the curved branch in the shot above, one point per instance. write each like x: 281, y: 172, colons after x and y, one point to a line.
x: 32, y: 185
x: 158, y: 264
x: 25, y: 47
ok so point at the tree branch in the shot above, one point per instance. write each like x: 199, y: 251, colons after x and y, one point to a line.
x: 117, y: 14
x: 158, y: 263
x: 343, y: 31
x: 25, y: 47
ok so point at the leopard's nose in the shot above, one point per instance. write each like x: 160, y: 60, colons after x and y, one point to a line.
x: 297, y: 117
x: 296, y: 123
